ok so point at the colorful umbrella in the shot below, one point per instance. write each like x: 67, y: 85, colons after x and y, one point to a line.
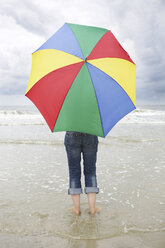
x: 82, y: 80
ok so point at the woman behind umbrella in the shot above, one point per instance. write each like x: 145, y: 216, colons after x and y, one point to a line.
x: 77, y: 143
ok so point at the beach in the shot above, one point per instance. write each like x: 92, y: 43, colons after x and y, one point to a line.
x: 34, y: 181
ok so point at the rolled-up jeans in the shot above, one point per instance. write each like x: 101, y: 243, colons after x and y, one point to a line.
x: 78, y: 144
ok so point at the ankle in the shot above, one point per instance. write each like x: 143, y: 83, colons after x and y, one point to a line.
x: 92, y: 210
x: 77, y: 210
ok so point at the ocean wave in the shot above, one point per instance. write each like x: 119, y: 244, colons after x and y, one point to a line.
x: 22, y: 124
x: 20, y: 117
x: 18, y: 112
x: 31, y: 117
x: 33, y: 142
x: 145, y: 116
x: 60, y: 141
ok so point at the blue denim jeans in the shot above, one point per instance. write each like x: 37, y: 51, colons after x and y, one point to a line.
x: 85, y: 144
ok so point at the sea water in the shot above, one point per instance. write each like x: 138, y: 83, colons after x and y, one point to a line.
x: 34, y: 180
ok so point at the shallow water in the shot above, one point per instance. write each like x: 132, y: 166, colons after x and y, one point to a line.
x: 34, y: 180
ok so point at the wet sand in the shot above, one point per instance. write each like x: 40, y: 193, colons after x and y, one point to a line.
x: 144, y: 240
x: 34, y: 181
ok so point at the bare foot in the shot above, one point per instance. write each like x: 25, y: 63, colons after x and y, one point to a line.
x: 74, y: 211
x: 94, y: 210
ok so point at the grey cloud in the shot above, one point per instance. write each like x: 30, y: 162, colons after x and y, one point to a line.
x: 138, y: 25
x: 25, y: 14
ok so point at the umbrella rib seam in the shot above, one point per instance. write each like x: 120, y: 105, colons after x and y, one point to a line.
x: 65, y: 97
x: 116, y: 82
x: 97, y: 102
x: 76, y: 40
x: 97, y: 43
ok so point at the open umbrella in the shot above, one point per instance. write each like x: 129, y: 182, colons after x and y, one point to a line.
x: 82, y: 80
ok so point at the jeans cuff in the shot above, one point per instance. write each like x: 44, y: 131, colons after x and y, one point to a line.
x: 91, y: 190
x: 74, y: 191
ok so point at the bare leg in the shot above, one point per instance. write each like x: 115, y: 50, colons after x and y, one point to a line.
x: 92, y: 202
x: 76, y: 204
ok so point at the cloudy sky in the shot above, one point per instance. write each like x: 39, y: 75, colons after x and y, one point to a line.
x: 139, y: 25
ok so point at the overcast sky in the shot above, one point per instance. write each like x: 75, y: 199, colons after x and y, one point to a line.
x: 139, y: 25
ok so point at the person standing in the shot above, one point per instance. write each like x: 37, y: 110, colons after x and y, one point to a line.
x: 86, y: 145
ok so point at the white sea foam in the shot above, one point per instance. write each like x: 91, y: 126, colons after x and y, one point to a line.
x: 145, y: 116
x: 33, y: 117
x: 20, y: 117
